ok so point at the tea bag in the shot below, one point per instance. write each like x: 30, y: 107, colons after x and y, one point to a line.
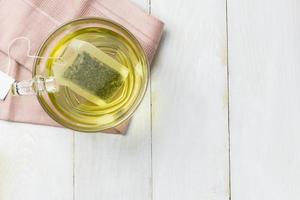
x: 89, y: 72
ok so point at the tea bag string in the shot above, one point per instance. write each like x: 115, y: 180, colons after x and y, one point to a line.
x: 27, y: 53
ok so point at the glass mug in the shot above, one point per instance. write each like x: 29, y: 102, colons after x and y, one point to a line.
x: 64, y: 105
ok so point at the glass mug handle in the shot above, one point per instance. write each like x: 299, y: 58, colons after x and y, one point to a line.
x: 37, y: 85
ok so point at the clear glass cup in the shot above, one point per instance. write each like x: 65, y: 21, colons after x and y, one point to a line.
x: 64, y: 105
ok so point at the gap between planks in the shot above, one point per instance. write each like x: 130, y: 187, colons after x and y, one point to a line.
x: 151, y: 124
x: 73, y: 160
x: 228, y: 104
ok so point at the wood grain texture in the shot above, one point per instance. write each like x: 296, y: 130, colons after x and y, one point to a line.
x: 177, y: 144
x: 189, y: 102
x: 35, y: 162
x: 264, y: 68
x: 116, y: 167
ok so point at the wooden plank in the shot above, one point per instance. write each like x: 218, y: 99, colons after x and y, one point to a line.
x: 142, y: 3
x: 189, y: 102
x: 35, y: 162
x: 264, y: 68
x: 115, y: 167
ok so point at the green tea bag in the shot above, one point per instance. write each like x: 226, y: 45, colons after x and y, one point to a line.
x: 90, y: 72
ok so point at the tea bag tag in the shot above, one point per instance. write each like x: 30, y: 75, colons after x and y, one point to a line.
x: 5, y: 84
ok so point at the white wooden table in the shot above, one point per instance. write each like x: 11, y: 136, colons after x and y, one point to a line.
x: 220, y: 121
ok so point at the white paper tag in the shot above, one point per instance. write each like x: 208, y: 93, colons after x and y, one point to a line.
x: 5, y: 83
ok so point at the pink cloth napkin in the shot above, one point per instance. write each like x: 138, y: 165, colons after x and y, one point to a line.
x: 35, y: 19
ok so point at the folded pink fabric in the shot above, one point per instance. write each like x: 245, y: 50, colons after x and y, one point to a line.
x: 35, y: 19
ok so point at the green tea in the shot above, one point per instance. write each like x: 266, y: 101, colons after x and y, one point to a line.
x: 94, y: 76
x: 98, y: 79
